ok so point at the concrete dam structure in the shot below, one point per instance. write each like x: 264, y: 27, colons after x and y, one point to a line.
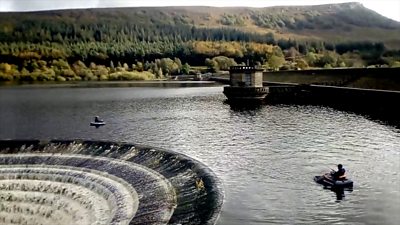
x: 363, y: 78
x: 371, y: 91
x: 246, y: 85
x: 91, y: 182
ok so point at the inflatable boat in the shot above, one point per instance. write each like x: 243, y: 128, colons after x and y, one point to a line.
x: 328, y: 181
x: 97, y: 124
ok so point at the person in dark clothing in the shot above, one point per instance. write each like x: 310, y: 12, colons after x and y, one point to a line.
x: 340, y: 174
x: 97, y: 119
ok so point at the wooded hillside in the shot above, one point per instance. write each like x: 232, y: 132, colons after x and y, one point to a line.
x: 165, y: 40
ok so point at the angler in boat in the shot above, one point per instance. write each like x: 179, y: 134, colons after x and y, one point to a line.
x: 340, y: 174
x: 97, y: 122
x: 335, y: 179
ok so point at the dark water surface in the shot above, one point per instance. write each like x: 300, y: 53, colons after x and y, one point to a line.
x: 266, y: 158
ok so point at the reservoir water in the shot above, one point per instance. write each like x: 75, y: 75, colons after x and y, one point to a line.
x: 266, y: 157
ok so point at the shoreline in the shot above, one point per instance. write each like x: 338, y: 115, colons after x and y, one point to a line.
x: 99, y: 84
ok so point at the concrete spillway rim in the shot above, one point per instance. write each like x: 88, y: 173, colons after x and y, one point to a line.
x: 212, y: 183
x: 211, y: 179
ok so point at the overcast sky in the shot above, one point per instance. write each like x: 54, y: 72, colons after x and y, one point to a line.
x: 388, y: 8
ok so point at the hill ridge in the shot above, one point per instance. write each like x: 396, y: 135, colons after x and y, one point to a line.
x: 327, y: 22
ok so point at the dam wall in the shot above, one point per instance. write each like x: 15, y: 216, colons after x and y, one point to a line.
x: 373, y: 92
x: 375, y: 104
x: 365, y: 78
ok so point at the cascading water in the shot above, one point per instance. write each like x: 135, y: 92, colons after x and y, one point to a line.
x: 86, y: 182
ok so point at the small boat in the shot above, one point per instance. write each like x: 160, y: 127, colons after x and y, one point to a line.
x: 328, y: 181
x: 97, y: 124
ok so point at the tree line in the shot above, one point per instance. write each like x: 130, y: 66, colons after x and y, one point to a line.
x: 54, y: 50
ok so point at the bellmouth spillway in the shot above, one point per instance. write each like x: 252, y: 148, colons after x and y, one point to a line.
x: 96, y: 182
